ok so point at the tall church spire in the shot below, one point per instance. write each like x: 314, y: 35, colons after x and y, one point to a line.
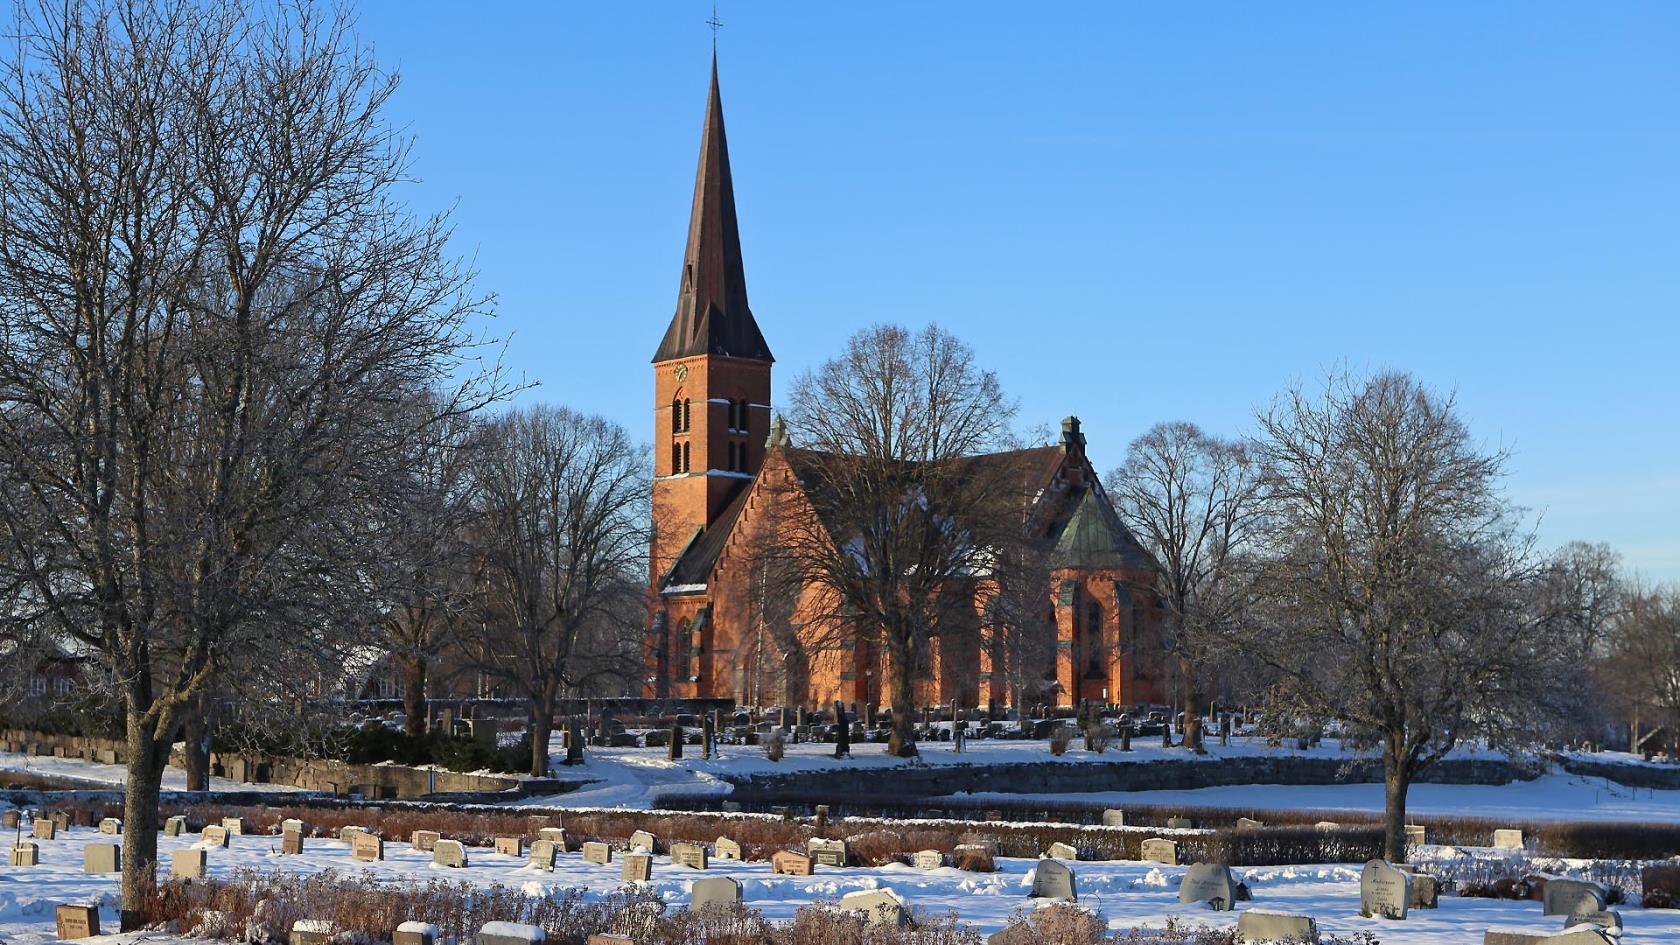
x: 712, y: 315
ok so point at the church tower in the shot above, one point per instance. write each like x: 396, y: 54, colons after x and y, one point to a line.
x: 711, y: 374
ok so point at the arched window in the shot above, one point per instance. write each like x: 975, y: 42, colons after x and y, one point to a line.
x: 676, y: 458
x: 685, y: 417
x: 685, y: 466
x: 1093, y: 639
x: 676, y: 415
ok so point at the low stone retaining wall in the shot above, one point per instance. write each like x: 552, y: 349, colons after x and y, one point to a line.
x: 1645, y: 776
x: 381, y: 781
x: 1087, y: 777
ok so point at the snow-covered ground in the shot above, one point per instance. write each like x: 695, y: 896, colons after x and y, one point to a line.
x: 174, y: 779
x: 1549, y: 797
x: 1127, y: 894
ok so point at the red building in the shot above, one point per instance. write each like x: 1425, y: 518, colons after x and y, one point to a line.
x: 716, y: 459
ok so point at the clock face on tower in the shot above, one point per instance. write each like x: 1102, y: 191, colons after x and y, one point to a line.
x: 681, y: 373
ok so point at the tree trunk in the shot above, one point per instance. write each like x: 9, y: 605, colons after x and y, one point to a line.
x: 541, y: 726
x: 146, y: 760
x: 1192, y: 714
x: 901, y: 694
x: 414, y: 695
x: 195, y: 739
x: 1396, y: 781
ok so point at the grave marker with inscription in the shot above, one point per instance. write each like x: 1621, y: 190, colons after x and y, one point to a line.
x: 110, y: 826
x: 1054, y: 880
x: 789, y: 863
x: 215, y: 835
x: 555, y: 835
x: 366, y: 847
x: 727, y: 849
x: 929, y: 860
x: 879, y: 906
x: 101, y: 858
x: 424, y: 840
x: 691, y: 855
x: 1114, y: 817
x: 1508, y: 839
x: 598, y: 853
x: 1211, y: 883
x: 510, y: 846
x: 234, y: 825
x: 1568, y: 896
x: 1157, y: 850
x: 77, y: 921
x: 1384, y: 891
x: 291, y: 842
x: 543, y: 853
x: 1417, y: 835
x: 642, y: 840
x: 1264, y: 925
x: 826, y: 852
x: 175, y: 826
x: 1062, y: 851
x: 637, y: 868
x: 44, y: 829
x: 25, y: 853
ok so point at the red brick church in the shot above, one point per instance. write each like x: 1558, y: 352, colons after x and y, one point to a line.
x: 715, y: 457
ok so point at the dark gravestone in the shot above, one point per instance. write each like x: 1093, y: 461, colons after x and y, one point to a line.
x: 1054, y: 880
x: 1384, y: 892
x: 826, y: 852
x: 674, y: 751
x: 716, y: 892
x: 842, y: 733
x: 1211, y: 883
x: 574, y: 742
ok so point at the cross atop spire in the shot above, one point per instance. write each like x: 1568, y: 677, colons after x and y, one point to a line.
x: 716, y: 24
x: 712, y: 315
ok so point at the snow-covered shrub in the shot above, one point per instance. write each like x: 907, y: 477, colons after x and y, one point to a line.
x: 973, y: 858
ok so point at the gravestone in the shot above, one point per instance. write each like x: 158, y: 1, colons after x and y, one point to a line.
x: 1157, y: 850
x: 1384, y: 892
x: 715, y: 892
x: 450, y: 853
x: 235, y: 826
x: 929, y: 860
x: 727, y: 849
x: 879, y: 907
x: 1062, y: 851
x: 189, y: 863
x: 637, y: 868
x: 1578, y: 935
x: 1114, y: 817
x: 310, y: 932
x: 101, y: 858
x: 348, y: 833
x: 61, y: 820
x: 543, y: 853
x: 1180, y: 823
x: 555, y: 835
x: 291, y: 842
x: 367, y: 847
x: 291, y: 825
x: 826, y: 852
x: 510, y: 846
x: 1211, y: 883
x: 1327, y: 825
x: 175, y: 826
x: 26, y: 853
x: 44, y: 829
x: 1264, y: 925
x: 1603, y: 918
x: 77, y: 921
x: 416, y: 933
x: 642, y: 840
x: 789, y: 863
x: 691, y: 855
x: 1054, y: 880
x: 1416, y: 835
x: 510, y: 933
x: 1425, y: 892
x: 110, y: 826
x: 424, y: 840
x: 1508, y: 839
x: 1568, y: 896
x: 1248, y: 823
x: 9, y: 819
x: 215, y: 835
x: 598, y: 853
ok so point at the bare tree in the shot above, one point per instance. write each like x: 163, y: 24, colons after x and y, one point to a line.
x: 1400, y: 588
x: 1193, y: 500
x: 210, y: 305
x: 560, y: 539
x: 895, y: 515
x: 1645, y: 651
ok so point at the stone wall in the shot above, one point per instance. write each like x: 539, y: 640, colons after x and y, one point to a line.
x: 1085, y: 777
x: 333, y: 777
x: 1628, y: 775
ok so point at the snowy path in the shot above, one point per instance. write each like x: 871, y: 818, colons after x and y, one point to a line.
x: 1127, y: 894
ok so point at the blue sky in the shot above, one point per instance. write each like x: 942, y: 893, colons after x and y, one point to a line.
x: 1134, y: 213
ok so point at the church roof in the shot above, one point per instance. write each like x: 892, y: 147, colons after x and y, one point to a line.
x: 694, y: 566
x: 1091, y: 535
x: 712, y: 314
